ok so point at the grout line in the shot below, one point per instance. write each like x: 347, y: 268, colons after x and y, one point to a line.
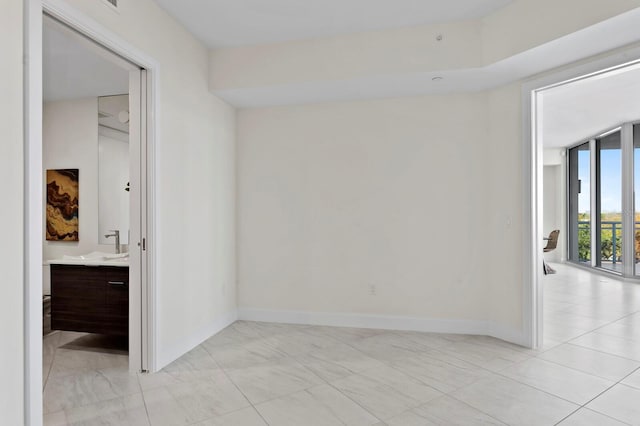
x: 599, y: 395
x: 198, y: 422
x: 144, y: 400
x: 388, y: 363
x: 501, y: 375
x: 355, y: 402
x: 235, y: 384
x: 477, y: 409
x: 53, y: 358
x: 568, y: 415
x: 586, y: 372
x: 251, y: 404
x: 328, y: 408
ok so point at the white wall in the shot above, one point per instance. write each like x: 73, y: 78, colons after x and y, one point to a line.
x: 113, y: 170
x: 551, y: 208
x: 70, y: 141
x: 398, y: 194
x: 11, y: 215
x: 553, y: 156
x: 554, y: 200
x: 113, y: 176
x: 195, y: 168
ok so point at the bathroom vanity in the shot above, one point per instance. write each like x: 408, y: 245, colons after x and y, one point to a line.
x: 90, y: 296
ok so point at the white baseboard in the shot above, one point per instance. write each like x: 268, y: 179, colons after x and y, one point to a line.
x: 169, y: 355
x: 507, y: 334
x: 385, y: 322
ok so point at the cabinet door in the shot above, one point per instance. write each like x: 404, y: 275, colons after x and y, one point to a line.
x: 78, y: 298
x: 117, y: 300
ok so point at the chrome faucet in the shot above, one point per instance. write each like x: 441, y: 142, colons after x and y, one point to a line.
x: 116, y: 234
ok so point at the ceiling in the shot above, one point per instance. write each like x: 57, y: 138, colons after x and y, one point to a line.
x: 580, y: 110
x: 221, y: 23
x: 75, y: 68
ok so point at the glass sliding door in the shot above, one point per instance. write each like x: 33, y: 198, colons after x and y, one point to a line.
x: 580, y: 204
x: 603, y: 212
x: 608, y: 194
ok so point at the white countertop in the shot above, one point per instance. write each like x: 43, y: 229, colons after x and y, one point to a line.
x: 95, y: 258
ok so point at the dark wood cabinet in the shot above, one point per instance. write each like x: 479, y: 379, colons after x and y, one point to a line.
x: 91, y: 299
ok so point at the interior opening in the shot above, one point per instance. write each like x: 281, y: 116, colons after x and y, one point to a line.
x: 588, y: 134
x: 91, y: 162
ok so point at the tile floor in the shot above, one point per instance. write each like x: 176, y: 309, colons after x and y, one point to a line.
x: 587, y: 373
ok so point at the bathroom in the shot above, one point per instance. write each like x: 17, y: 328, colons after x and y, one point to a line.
x: 86, y: 164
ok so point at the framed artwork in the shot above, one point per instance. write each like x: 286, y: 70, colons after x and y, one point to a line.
x: 62, y: 205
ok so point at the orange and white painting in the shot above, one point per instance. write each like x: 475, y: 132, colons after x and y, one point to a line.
x: 62, y: 205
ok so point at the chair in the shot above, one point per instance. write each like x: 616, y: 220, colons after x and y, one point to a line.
x: 552, y: 243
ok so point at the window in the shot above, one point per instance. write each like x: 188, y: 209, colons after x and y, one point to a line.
x: 603, y: 214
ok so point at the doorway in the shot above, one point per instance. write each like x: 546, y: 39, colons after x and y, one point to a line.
x: 141, y: 86
x: 91, y: 117
x: 585, y: 187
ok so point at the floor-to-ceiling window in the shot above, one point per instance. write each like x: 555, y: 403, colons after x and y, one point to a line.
x: 580, y: 204
x: 608, y: 194
x: 603, y: 214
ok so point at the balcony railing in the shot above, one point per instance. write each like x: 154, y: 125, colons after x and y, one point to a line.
x: 610, y: 240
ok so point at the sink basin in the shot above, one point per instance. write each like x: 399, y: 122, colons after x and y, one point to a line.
x: 116, y: 256
x: 95, y: 258
x: 98, y: 256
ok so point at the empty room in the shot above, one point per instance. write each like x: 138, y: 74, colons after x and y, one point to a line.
x: 348, y: 212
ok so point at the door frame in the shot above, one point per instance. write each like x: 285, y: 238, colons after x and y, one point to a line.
x: 33, y: 188
x: 532, y: 312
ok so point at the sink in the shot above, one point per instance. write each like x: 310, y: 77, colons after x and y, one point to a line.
x: 116, y: 256
x: 97, y: 257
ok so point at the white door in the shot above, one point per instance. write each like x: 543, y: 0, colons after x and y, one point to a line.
x: 138, y: 245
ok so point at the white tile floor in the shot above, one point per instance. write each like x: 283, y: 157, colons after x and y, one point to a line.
x: 588, y: 373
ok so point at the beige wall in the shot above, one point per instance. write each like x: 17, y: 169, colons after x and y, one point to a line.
x: 505, y: 243
x: 403, y: 50
x: 421, y: 197
x: 195, y: 178
x: 11, y: 215
x: 525, y: 24
x: 465, y: 45
x: 410, y: 195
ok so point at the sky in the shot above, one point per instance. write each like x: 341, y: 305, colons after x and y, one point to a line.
x: 611, y: 180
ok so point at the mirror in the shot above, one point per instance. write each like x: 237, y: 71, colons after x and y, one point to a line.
x: 113, y: 167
